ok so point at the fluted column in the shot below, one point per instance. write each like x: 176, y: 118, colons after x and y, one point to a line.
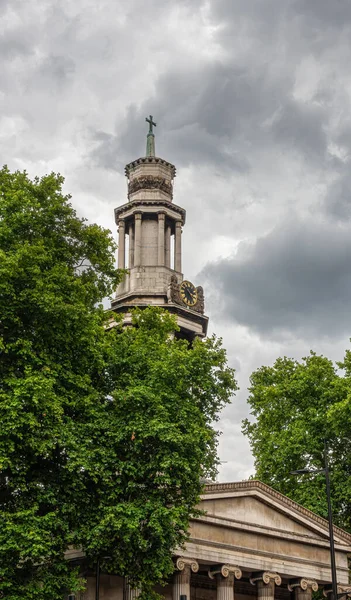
x: 121, y: 244
x: 265, y: 582
x: 131, y: 245
x: 131, y: 593
x: 161, y: 238
x: 303, y: 588
x: 178, y: 247
x: 137, y: 240
x: 168, y: 246
x: 225, y: 576
x: 181, y: 579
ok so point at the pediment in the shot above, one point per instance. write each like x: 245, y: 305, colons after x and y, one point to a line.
x: 254, y: 506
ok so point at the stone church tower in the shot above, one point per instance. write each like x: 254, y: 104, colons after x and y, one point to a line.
x: 150, y: 245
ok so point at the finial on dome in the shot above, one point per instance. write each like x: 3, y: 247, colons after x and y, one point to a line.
x: 150, y: 138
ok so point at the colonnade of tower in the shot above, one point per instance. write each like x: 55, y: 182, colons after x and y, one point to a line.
x: 141, y: 230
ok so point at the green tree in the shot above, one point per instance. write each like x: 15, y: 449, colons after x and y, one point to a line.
x: 295, y: 406
x: 105, y: 431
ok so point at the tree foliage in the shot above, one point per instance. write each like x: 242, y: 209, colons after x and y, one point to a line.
x: 105, y: 431
x: 296, y: 405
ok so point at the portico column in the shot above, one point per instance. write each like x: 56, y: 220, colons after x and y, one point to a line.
x: 121, y: 244
x: 131, y: 245
x: 137, y: 240
x: 181, y: 580
x: 266, y: 582
x: 131, y: 593
x: 161, y: 238
x: 168, y: 246
x: 303, y: 588
x: 178, y: 247
x: 225, y: 576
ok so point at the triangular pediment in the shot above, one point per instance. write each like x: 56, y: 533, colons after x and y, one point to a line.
x: 252, y: 505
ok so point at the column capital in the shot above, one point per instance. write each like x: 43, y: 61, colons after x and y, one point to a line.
x: 266, y: 577
x: 161, y: 214
x: 137, y: 216
x: 121, y: 223
x: 224, y: 571
x: 178, y: 223
x: 341, y: 589
x: 183, y: 562
x: 303, y: 583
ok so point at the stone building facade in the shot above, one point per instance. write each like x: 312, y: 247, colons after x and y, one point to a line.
x: 252, y: 542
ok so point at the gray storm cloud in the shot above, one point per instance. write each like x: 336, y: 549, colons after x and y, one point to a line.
x: 297, y: 279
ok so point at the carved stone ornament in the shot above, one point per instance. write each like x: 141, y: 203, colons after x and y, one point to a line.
x: 225, y: 571
x: 266, y: 577
x: 303, y: 583
x: 342, y: 589
x: 173, y: 295
x: 200, y: 304
x: 190, y: 562
x: 173, y: 292
x: 149, y: 182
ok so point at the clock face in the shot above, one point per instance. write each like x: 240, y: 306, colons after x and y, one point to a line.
x: 188, y: 293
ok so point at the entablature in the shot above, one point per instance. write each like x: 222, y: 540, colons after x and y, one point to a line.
x: 150, y: 207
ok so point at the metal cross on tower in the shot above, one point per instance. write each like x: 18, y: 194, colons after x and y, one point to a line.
x: 151, y: 123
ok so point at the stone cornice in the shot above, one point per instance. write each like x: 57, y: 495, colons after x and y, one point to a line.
x: 254, y: 484
x: 120, y: 303
x: 144, y: 204
x: 284, y: 559
x: 147, y: 160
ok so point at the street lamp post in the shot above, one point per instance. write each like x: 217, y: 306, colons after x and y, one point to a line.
x: 97, y: 576
x: 97, y: 580
x: 330, y: 519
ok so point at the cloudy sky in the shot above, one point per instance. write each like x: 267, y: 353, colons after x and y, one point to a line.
x: 252, y: 103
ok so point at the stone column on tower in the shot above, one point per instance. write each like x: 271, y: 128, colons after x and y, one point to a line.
x: 168, y: 246
x: 303, y: 588
x: 181, y: 580
x: 225, y: 576
x: 137, y: 240
x: 265, y: 582
x: 121, y: 244
x: 161, y: 238
x: 131, y: 244
x: 178, y: 247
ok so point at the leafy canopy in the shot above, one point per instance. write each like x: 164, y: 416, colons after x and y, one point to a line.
x: 295, y: 406
x: 105, y: 431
